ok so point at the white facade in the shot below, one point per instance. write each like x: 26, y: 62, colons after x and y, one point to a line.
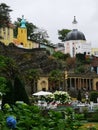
x: 77, y: 46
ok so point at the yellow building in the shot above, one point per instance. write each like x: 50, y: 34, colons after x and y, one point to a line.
x: 22, y: 40
x: 94, y: 51
x: 6, y: 34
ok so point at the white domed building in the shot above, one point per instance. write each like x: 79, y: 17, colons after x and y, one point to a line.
x: 76, y: 42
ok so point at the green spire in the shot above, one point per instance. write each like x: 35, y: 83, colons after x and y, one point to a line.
x: 23, y: 22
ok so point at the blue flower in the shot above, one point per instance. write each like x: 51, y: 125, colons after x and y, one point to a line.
x: 11, y: 122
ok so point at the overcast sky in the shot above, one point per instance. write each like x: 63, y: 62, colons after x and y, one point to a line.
x: 54, y: 15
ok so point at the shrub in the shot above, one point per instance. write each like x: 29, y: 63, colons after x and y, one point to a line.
x: 31, y: 118
x: 8, y: 97
x: 61, y: 96
x: 94, y: 96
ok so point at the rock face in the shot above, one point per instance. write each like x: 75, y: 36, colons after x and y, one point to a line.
x: 37, y: 58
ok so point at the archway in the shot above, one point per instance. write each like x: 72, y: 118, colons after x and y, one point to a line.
x: 43, y: 85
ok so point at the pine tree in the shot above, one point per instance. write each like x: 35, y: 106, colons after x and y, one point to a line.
x: 4, y: 15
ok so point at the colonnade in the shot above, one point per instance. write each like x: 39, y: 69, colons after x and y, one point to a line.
x: 79, y: 83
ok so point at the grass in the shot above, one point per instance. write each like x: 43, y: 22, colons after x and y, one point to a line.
x: 86, y: 126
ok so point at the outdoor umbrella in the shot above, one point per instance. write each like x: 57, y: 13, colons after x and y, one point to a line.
x: 42, y: 93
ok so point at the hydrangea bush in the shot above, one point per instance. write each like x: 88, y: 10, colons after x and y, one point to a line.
x: 25, y: 117
x: 61, y: 96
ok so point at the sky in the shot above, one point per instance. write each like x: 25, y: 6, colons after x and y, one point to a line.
x: 54, y: 15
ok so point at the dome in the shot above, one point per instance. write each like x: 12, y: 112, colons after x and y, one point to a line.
x: 75, y: 35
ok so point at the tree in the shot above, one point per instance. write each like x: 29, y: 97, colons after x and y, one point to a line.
x: 32, y: 76
x: 55, y: 77
x: 70, y: 63
x: 80, y: 69
x: 61, y: 56
x: 62, y: 34
x: 81, y: 57
x: 4, y: 15
x: 19, y: 91
x: 40, y: 36
x: 8, y: 68
x: 94, y: 96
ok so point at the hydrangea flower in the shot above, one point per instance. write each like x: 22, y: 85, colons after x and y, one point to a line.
x: 62, y: 97
x: 11, y: 122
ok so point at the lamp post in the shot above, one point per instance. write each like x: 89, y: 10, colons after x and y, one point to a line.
x: 66, y: 75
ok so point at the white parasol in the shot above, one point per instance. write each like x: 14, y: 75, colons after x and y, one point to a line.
x: 42, y: 93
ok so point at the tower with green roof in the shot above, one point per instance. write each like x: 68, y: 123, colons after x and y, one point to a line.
x: 22, y: 33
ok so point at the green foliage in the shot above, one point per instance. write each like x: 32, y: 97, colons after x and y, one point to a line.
x: 58, y: 55
x: 80, y: 69
x: 79, y: 96
x: 91, y: 116
x: 8, y: 67
x: 3, y: 86
x: 32, y: 75
x: 19, y: 91
x: 31, y: 118
x: 81, y: 61
x: 62, y: 34
x: 80, y: 57
x: 94, y: 96
x: 4, y: 15
x: 8, y: 97
x: 61, y: 56
x: 55, y: 75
